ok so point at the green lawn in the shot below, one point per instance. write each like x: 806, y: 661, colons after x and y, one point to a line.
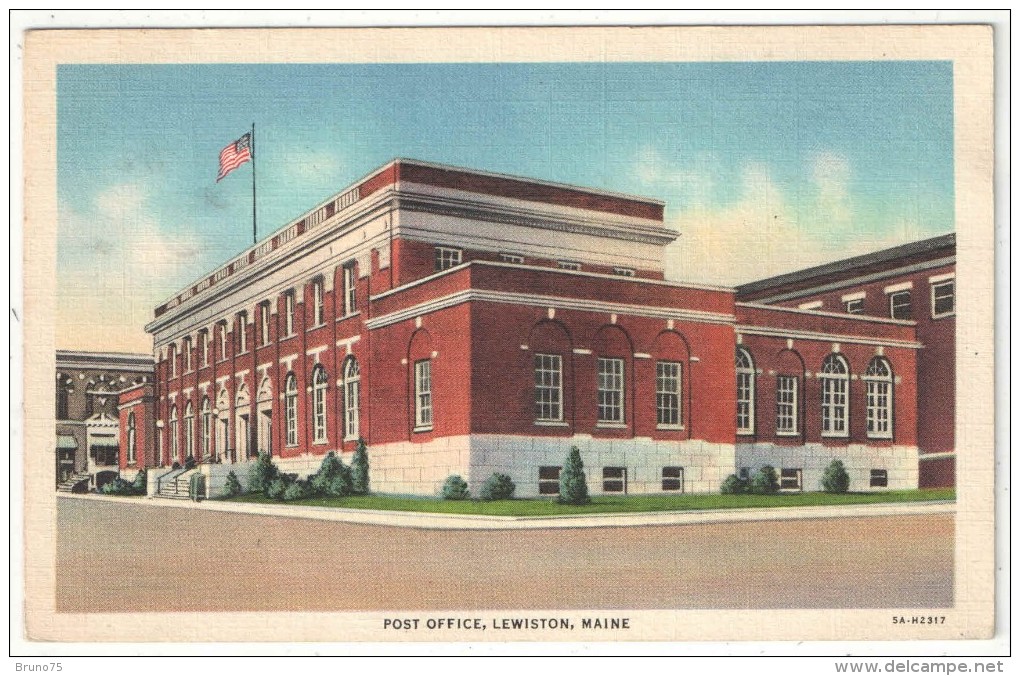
x: 600, y: 505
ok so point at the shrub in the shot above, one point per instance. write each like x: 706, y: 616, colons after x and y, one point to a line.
x: 140, y: 484
x: 835, y: 479
x: 733, y: 485
x: 233, y: 485
x: 573, y: 486
x: 118, y: 487
x: 497, y: 487
x: 276, y: 489
x: 189, y: 462
x: 765, y: 481
x: 296, y: 491
x: 455, y: 488
x: 340, y: 485
x: 262, y: 474
x: 359, y: 469
x: 330, y: 470
x: 176, y: 465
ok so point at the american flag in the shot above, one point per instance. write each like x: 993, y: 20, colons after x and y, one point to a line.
x: 234, y: 155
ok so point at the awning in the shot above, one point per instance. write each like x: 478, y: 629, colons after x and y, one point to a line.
x: 66, y: 442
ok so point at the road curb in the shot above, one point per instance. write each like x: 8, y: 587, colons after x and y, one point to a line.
x: 431, y: 521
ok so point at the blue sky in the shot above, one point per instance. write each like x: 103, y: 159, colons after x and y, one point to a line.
x: 764, y: 167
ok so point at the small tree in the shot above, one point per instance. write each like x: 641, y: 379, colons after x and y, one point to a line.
x: 573, y: 485
x: 140, y: 484
x: 733, y: 485
x: 233, y: 485
x: 498, y: 487
x: 765, y: 481
x: 455, y: 488
x: 835, y: 479
x: 262, y: 474
x: 359, y: 469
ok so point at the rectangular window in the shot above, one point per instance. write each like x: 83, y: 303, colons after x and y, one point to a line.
x: 242, y: 332
x: 350, y: 290
x: 511, y: 258
x: 446, y: 257
x: 879, y: 478
x: 288, y: 313
x: 222, y: 326
x: 610, y: 389
x: 423, y: 395
x: 569, y: 265
x: 673, y: 479
x: 206, y: 344
x: 548, y: 388
x: 318, y: 304
x: 173, y: 361
x: 264, y: 323
x: 899, y: 305
x: 879, y: 406
x: 668, y: 388
x: 624, y: 272
x: 549, y: 480
x: 745, y: 399
x: 614, y: 479
x: 943, y: 299
x: 187, y: 355
x: 790, y: 479
x: 855, y: 306
x: 834, y: 407
x: 786, y: 405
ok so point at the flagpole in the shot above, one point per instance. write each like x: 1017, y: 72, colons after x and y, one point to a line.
x: 254, y: 228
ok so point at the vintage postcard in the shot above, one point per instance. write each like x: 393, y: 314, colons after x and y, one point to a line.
x: 509, y: 334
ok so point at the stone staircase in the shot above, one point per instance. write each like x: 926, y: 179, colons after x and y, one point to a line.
x: 74, y: 481
x: 176, y: 487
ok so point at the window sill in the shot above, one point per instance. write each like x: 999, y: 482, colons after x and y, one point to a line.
x: 348, y: 316
x: 320, y: 442
x: 943, y: 316
x: 835, y: 435
x: 422, y: 429
x: 315, y: 326
x: 670, y: 428
x: 356, y: 437
x: 745, y: 433
x: 221, y: 361
x: 787, y: 434
x: 610, y: 426
x: 880, y: 437
x: 241, y: 353
x: 551, y: 423
x: 290, y: 336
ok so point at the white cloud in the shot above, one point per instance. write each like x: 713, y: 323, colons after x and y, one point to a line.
x: 116, y: 265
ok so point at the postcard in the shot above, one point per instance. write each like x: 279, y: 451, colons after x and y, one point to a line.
x: 509, y: 334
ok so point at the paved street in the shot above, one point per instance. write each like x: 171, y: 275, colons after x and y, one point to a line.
x: 137, y: 557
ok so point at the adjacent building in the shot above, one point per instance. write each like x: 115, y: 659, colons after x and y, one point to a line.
x: 88, y: 427
x: 915, y: 282
x: 464, y: 322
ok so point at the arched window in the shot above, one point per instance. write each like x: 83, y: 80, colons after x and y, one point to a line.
x: 206, y: 428
x: 352, y: 399
x: 745, y: 392
x: 189, y: 430
x: 131, y: 438
x: 290, y: 409
x: 320, y: 381
x: 879, y: 380
x: 835, y: 377
x: 174, y: 448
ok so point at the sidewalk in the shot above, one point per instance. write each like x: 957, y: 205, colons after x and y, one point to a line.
x: 431, y: 521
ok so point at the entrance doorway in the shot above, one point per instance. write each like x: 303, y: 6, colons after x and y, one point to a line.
x: 264, y: 438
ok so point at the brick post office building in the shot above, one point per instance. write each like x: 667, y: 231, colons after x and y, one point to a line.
x: 463, y: 322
